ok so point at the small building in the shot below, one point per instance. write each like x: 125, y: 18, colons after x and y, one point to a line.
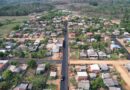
x: 92, y: 54
x: 72, y: 35
x: 102, y: 55
x: 114, y: 46
x: 2, y: 50
x: 106, y: 75
x: 114, y: 88
x: 22, y: 86
x: 104, y: 67
x: 91, y: 40
x: 92, y: 75
x: 83, y: 54
x: 83, y: 68
x: 23, y: 67
x: 37, y: 42
x: 14, y: 69
x: 81, y: 76
x: 128, y: 66
x: 40, y: 68
x: 3, y: 64
x: 94, y: 68
x: 84, y: 85
x: 53, y: 74
x: 109, y: 82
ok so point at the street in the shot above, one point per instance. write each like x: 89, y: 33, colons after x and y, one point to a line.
x: 64, y: 82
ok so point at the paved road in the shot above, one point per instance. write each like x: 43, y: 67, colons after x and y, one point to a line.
x: 64, y: 83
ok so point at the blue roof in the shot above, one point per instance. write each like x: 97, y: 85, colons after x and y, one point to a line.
x: 128, y: 39
x: 115, y: 46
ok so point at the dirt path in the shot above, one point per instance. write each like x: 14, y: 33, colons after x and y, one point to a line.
x: 123, y: 74
x: 121, y: 41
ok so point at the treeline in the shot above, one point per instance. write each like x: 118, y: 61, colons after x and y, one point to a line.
x: 24, y: 9
x: 104, y: 8
x: 4, y: 2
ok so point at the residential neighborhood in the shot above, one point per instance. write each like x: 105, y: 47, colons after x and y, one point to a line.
x: 61, y: 50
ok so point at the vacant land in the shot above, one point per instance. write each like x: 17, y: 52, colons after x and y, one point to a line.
x: 9, y: 22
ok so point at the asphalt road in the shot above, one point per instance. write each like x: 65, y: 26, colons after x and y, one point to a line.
x: 64, y: 82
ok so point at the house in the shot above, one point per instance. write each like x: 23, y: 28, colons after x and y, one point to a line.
x: 30, y: 86
x: 84, y: 85
x: 104, y: 67
x: 91, y: 40
x: 126, y: 40
x: 89, y: 33
x: 128, y: 66
x: 116, y: 32
x: 92, y: 54
x: 14, y: 69
x: 109, y: 82
x: 94, y: 68
x: 40, y: 69
x: 23, y: 67
x: 81, y: 76
x: 3, y: 50
x: 72, y: 35
x: 83, y: 54
x: 3, y: 64
x: 105, y: 75
x: 22, y: 86
x: 92, y: 75
x: 114, y: 46
x: 8, y: 47
x: 37, y: 42
x: 53, y: 34
x: 102, y: 55
x: 83, y: 68
x: 53, y: 74
x: 55, y: 49
x: 114, y: 88
x: 106, y: 38
x: 126, y: 34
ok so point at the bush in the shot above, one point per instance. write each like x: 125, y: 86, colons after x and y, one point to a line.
x: 32, y: 63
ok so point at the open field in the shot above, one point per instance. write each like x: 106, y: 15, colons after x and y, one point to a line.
x: 10, y: 22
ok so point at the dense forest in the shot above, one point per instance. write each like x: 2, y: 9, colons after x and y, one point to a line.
x: 23, y: 9
x: 104, y: 8
x: 4, y: 2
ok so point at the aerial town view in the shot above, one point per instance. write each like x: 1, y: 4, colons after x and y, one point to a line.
x: 64, y: 44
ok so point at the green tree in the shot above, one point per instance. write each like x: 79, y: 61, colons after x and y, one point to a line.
x: 32, y: 63
x: 97, y: 83
x: 16, y: 27
x: 7, y: 75
x: 97, y: 37
x: 2, y: 55
x: 37, y: 81
x: 4, y: 85
x: 14, y: 63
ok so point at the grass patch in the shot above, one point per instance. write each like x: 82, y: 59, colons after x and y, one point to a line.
x: 9, y: 23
